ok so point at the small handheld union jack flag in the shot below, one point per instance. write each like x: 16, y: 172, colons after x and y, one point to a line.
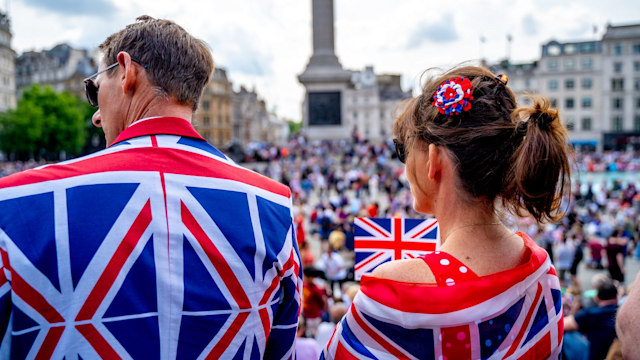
x: 378, y: 240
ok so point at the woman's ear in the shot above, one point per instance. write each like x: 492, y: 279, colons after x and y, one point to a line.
x: 435, y: 161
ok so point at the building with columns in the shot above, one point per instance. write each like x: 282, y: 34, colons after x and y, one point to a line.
x: 339, y: 102
x: 595, y: 84
x: 213, y: 117
x: 7, y: 65
x: 61, y: 67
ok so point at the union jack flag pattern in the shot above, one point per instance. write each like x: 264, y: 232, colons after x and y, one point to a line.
x: 378, y: 240
x: 158, y: 247
x: 514, y: 314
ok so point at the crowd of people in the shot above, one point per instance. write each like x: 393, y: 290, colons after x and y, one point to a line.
x: 336, y: 181
x: 472, y: 158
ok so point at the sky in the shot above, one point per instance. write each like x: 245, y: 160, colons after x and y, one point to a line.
x: 265, y: 44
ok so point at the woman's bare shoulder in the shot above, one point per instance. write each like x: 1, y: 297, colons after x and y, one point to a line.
x: 409, y: 270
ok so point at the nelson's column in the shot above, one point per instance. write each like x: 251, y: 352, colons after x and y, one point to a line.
x: 324, y: 80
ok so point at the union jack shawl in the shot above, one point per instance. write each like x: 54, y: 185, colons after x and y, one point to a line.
x: 379, y: 240
x: 513, y: 314
x: 158, y: 247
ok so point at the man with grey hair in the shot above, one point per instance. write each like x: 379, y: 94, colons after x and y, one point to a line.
x: 159, y: 246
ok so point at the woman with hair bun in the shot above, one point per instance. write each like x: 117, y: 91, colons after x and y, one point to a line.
x: 471, y: 155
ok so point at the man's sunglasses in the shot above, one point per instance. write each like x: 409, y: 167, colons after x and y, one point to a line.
x: 90, y: 88
x: 401, y: 151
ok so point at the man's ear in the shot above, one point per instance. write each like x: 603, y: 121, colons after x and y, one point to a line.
x: 129, y: 73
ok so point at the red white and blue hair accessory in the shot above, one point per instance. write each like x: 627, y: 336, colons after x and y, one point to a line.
x: 453, y: 96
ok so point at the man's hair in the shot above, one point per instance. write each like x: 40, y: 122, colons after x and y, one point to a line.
x: 179, y: 65
x: 607, y: 290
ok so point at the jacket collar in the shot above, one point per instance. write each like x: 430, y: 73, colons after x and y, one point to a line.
x: 158, y: 125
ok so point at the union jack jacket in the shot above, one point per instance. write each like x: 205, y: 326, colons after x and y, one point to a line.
x: 158, y: 247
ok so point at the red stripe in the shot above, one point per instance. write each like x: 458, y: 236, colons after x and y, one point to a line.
x: 224, y: 342
x: 216, y: 258
x: 162, y: 125
x: 154, y: 141
x: 32, y: 297
x: 100, y: 345
x: 397, y: 239
x: 264, y: 314
x: 411, y: 256
x: 373, y: 226
x: 401, y: 295
x: 166, y: 215
x: 343, y: 353
x: 5, y: 265
x: 541, y: 350
x: 171, y: 161
x: 424, y: 230
x: 386, y: 244
x: 525, y: 324
x: 113, y: 268
x: 379, y: 339
x: 269, y: 292
x: 50, y: 342
x: 368, y: 261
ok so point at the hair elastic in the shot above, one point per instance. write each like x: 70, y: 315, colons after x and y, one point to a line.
x: 504, y: 79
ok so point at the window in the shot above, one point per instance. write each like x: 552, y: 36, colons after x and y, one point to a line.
x: 569, y: 64
x: 586, y: 102
x: 587, y: 63
x: 205, y: 120
x: 587, y: 83
x: 617, y: 103
x: 636, y: 48
x: 587, y: 47
x: 636, y: 84
x: 553, y: 84
x: 206, y: 105
x: 617, y: 84
x: 554, y: 102
x: 568, y: 103
x: 617, y: 67
x: 569, y: 84
x: 636, y: 123
x: 638, y: 103
x: 617, y: 49
x: 586, y: 123
x: 636, y: 65
x: 553, y: 64
x: 616, y: 124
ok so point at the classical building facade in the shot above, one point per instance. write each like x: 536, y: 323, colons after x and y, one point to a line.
x: 62, y: 67
x: 252, y: 122
x: 595, y: 85
x: 370, y: 102
x: 337, y: 101
x: 213, y: 118
x: 7, y: 66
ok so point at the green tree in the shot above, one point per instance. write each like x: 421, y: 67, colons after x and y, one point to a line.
x: 44, y: 124
x: 294, y: 126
